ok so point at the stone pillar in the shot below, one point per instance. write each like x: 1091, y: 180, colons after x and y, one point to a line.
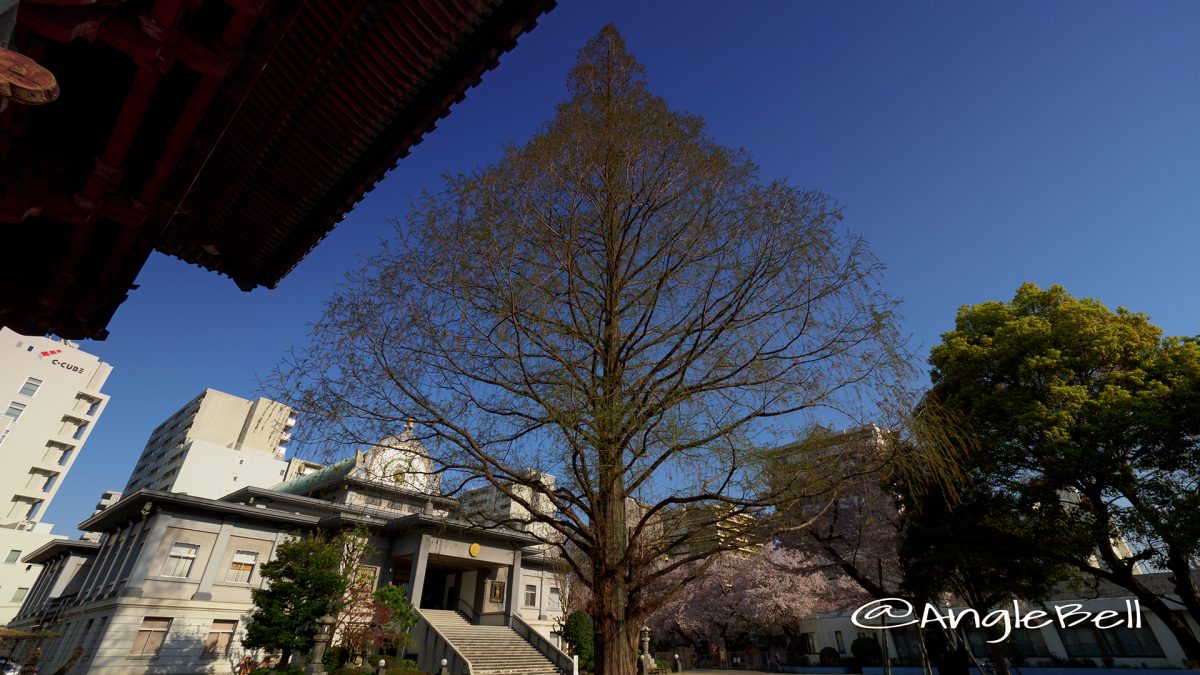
x: 212, y: 566
x: 150, y: 546
x: 514, y: 581
x: 416, y: 579
x: 543, y: 591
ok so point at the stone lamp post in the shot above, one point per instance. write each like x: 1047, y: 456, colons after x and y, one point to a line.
x: 646, y: 661
x: 321, y: 642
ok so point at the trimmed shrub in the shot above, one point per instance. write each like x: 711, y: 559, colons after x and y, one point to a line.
x: 577, y: 632
x: 830, y: 657
x: 866, y: 650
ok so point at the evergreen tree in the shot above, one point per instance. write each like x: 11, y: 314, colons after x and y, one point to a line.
x: 304, y: 581
x: 1086, y: 424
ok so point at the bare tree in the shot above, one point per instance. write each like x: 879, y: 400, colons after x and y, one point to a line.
x: 620, y: 303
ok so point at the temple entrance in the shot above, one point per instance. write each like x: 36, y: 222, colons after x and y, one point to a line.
x: 449, y: 587
x: 434, y: 592
x: 456, y: 585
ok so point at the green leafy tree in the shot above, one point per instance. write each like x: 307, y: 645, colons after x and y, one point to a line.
x: 1087, y: 425
x: 577, y: 632
x: 982, y: 549
x: 303, y: 582
x: 394, y: 617
x: 620, y: 302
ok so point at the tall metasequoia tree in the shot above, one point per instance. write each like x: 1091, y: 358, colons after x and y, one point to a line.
x: 622, y: 304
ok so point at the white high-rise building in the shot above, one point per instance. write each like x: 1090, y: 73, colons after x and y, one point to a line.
x: 50, y: 400
x: 214, y: 445
x: 489, y: 506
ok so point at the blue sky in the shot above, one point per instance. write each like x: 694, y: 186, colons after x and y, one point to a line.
x: 976, y: 146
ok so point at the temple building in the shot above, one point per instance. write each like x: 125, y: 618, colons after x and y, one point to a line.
x: 167, y: 587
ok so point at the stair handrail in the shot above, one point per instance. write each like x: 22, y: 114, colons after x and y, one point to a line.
x: 469, y: 611
x: 539, y: 642
x: 432, y: 658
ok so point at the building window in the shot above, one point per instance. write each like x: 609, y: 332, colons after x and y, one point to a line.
x: 65, y: 457
x: 13, y: 556
x: 179, y: 561
x: 1031, y: 643
x: 806, y: 643
x: 530, y: 595
x: 93, y: 408
x: 841, y: 643
x: 3, y: 435
x: 1121, y: 641
x: 220, y: 636
x: 150, y: 636
x: 30, y: 387
x: 242, y: 566
x: 80, y: 431
x: 14, y: 410
x: 20, y: 594
x: 555, y: 598
x: 51, y: 479
x: 34, y: 508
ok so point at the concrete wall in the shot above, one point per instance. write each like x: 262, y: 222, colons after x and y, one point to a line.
x: 213, y: 471
x: 114, y: 628
x: 132, y: 586
x: 546, y: 615
x: 17, y: 575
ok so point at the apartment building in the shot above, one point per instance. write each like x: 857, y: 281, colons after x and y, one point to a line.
x: 542, y: 589
x: 489, y: 506
x: 50, y: 400
x: 216, y: 444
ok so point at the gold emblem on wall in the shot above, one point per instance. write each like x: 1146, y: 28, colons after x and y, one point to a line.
x: 474, y: 550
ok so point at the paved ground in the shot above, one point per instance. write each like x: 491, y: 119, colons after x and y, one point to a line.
x: 707, y: 671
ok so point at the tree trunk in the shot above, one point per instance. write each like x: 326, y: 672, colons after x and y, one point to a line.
x: 615, y: 639
x: 995, y: 650
x: 1123, y: 576
x: 1185, y: 585
x: 943, y: 654
x: 616, y: 648
x: 1121, y: 573
x: 285, y: 658
x: 1175, y: 623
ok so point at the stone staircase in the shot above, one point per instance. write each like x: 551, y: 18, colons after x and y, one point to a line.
x: 492, y: 650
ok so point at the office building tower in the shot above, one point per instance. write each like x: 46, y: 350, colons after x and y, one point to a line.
x: 50, y: 401
x: 214, y: 445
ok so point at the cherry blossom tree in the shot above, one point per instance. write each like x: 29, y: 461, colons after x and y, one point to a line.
x: 739, y: 593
